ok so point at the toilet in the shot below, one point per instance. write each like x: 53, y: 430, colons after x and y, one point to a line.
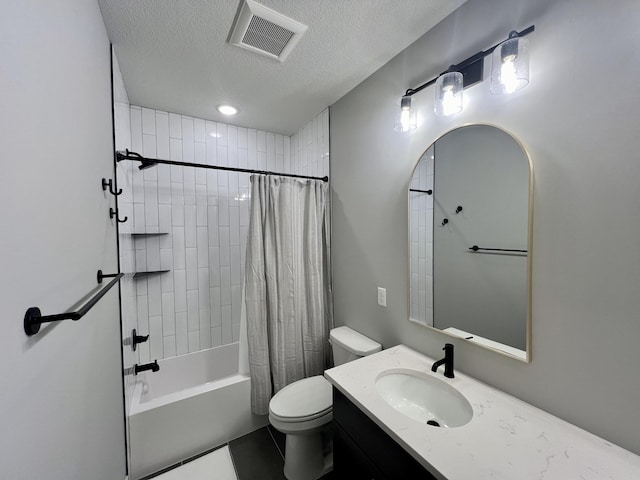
x: 303, y: 410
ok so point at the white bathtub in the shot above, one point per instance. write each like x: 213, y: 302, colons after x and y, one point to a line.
x: 194, y: 403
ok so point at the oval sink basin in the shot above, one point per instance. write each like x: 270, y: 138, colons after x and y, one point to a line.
x: 424, y: 398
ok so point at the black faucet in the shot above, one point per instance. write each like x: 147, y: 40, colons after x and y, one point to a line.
x: 447, y: 360
x: 154, y: 367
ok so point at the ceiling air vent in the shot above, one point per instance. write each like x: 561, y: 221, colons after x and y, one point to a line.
x: 265, y: 32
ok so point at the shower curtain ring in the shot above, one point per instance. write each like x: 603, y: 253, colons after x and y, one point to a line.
x: 114, y: 213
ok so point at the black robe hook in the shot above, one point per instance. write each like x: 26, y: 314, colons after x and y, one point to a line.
x: 114, y: 213
x: 109, y: 184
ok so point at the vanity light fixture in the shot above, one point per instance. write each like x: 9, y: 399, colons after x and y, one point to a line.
x: 448, y: 99
x: 512, y: 66
x: 227, y: 109
x: 405, y: 118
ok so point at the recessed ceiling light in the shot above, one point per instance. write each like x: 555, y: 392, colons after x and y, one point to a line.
x: 227, y: 109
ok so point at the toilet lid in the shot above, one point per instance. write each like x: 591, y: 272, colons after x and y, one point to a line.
x: 305, y: 398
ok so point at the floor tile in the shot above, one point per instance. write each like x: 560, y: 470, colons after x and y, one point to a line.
x: 216, y: 465
x: 256, y: 456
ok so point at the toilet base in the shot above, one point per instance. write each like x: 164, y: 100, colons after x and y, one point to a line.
x: 306, y: 458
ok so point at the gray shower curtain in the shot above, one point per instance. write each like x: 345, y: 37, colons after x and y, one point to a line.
x: 287, y: 288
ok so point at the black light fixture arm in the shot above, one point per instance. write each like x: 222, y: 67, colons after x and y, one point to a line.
x: 470, y: 61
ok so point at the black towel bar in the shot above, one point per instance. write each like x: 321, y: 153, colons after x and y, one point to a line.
x: 476, y: 248
x: 33, y: 318
x: 428, y: 192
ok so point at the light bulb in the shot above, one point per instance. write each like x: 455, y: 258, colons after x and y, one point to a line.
x: 449, y: 103
x: 508, y: 74
x: 510, y: 66
x: 405, y: 116
x: 448, y: 99
x: 405, y: 119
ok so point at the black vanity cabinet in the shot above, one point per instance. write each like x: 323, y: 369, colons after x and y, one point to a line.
x: 363, y: 451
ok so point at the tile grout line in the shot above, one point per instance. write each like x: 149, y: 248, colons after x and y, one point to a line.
x: 233, y: 462
x: 274, y: 441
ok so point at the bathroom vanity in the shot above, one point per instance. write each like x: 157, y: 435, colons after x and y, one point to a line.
x: 362, y: 450
x: 503, y: 438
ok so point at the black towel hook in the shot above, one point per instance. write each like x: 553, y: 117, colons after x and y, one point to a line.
x: 459, y: 209
x: 445, y: 221
x: 114, y: 213
x: 109, y: 184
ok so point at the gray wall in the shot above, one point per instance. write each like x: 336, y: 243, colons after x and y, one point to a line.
x: 578, y: 119
x: 61, y: 404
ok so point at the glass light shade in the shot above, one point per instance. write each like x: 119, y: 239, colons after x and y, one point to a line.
x: 448, y: 99
x: 406, y: 117
x: 510, y: 66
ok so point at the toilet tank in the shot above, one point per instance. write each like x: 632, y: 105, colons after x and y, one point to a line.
x: 347, y: 345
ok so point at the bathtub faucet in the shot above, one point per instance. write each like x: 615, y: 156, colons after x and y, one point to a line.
x: 136, y: 339
x: 154, y: 367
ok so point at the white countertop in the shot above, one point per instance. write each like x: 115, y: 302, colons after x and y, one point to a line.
x: 506, y: 438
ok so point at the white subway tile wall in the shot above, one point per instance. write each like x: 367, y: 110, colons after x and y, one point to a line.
x: 202, y: 217
x: 421, y: 234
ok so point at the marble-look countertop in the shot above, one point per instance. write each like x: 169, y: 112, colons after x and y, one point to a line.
x: 506, y: 438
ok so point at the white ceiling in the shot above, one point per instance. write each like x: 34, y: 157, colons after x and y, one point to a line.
x: 174, y: 55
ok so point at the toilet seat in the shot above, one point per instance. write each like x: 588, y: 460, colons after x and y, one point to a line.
x: 303, y: 401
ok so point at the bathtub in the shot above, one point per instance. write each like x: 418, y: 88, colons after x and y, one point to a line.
x: 194, y: 403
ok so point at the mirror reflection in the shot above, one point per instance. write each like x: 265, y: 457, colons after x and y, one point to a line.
x: 469, y: 217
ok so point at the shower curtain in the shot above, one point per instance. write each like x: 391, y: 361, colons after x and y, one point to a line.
x: 288, y: 296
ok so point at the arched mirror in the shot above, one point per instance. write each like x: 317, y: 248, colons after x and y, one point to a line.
x: 470, y: 214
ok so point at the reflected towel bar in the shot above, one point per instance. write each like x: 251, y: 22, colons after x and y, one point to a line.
x: 33, y: 317
x: 476, y: 248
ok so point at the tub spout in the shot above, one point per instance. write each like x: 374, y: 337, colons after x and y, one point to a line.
x: 154, y: 367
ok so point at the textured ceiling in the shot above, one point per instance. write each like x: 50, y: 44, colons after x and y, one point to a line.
x: 174, y: 55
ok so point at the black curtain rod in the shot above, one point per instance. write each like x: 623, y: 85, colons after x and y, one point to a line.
x: 150, y: 162
x: 469, y: 61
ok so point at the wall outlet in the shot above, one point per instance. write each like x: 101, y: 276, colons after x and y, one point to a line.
x: 382, y: 297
